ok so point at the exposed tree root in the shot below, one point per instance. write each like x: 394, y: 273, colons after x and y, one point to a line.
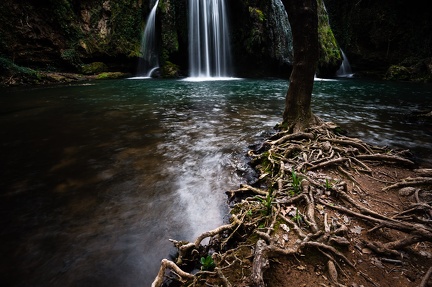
x: 286, y: 213
x: 166, y: 264
x: 426, y: 278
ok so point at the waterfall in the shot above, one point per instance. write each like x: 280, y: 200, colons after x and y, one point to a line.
x: 149, y: 61
x: 209, y: 48
x: 345, y: 68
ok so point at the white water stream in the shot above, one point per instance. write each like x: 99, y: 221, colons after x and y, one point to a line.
x: 149, y: 61
x: 345, y: 68
x: 209, y: 47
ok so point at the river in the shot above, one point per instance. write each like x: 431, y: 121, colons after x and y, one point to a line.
x: 97, y: 176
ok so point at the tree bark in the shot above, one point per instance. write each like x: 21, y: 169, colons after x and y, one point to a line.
x: 303, y: 18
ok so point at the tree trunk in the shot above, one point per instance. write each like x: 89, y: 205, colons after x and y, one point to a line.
x: 303, y: 18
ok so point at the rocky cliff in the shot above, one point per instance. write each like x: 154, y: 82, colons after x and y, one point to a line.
x: 66, y: 34
x: 386, y: 39
x: 94, y: 36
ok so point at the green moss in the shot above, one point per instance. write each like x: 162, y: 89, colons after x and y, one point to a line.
x: 19, y: 74
x: 257, y: 14
x: 136, y: 51
x: 8, y: 67
x: 72, y: 57
x: 122, y: 34
x: 169, y: 32
x: 60, y: 15
x: 110, y: 75
x: 170, y: 70
x: 330, y: 51
x: 93, y: 68
x: 330, y: 55
x: 399, y: 73
x: 164, y: 6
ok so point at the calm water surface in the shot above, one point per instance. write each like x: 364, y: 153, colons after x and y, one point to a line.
x: 96, y: 177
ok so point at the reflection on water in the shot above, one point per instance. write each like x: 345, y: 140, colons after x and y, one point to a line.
x: 380, y: 113
x: 96, y: 178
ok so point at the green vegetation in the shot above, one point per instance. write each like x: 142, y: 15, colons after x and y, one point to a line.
x: 170, y: 70
x: 170, y: 22
x: 296, y: 180
x: 110, y: 75
x: 72, y: 57
x: 257, y: 14
x: 297, y: 217
x: 396, y: 72
x: 328, y: 185
x: 207, y: 263
x: 7, y: 67
x: 267, y: 202
x: 94, y: 68
x: 266, y: 163
x: 330, y: 55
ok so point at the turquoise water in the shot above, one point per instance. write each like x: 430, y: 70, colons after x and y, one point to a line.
x: 96, y: 177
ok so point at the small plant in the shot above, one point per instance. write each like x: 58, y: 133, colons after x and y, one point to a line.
x: 297, y: 217
x: 328, y: 185
x: 267, y: 202
x: 296, y: 182
x: 207, y: 263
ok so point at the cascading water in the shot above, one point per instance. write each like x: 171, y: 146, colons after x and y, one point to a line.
x: 345, y: 68
x: 149, y: 61
x: 209, y: 48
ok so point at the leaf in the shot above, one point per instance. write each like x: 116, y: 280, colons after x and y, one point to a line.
x: 207, y: 263
x: 285, y: 227
x: 356, y: 229
x: 289, y: 210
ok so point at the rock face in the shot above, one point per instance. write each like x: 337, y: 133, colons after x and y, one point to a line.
x: 261, y: 38
x: 262, y: 41
x: 385, y: 38
x: 76, y: 35
x: 66, y: 34
x: 69, y: 35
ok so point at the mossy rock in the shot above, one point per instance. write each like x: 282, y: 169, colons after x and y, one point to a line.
x: 399, y: 73
x: 12, y: 74
x: 170, y: 70
x: 94, y: 68
x: 111, y: 75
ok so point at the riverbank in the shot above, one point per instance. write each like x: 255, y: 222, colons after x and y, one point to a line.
x: 326, y: 210
x: 28, y: 77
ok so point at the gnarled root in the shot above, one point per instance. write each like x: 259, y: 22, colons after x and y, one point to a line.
x: 167, y: 264
x: 287, y: 212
